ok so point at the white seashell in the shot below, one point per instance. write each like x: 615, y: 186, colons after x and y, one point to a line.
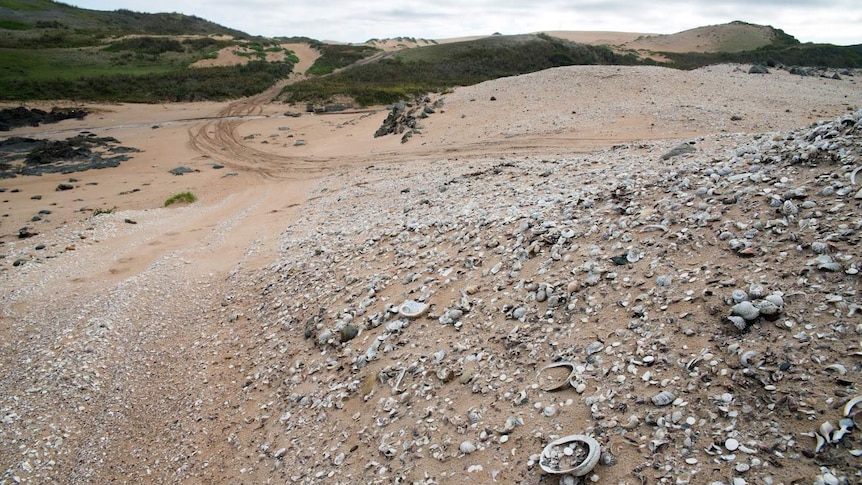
x: 768, y: 309
x: 821, y: 442
x: 739, y: 296
x: 738, y: 322
x: 846, y: 424
x: 837, y: 368
x: 826, y: 430
x: 562, y: 383
x: 550, y: 461
x: 756, y: 291
x: 663, y: 398
x: 412, y: 309
x: 828, y: 479
x: 848, y: 408
x: 631, y: 423
x: 820, y: 247
x: 775, y: 299
x: 732, y: 444
x: 746, y: 310
x: 747, y: 359
x: 512, y: 422
x: 467, y: 447
x: 832, y: 267
x: 594, y: 348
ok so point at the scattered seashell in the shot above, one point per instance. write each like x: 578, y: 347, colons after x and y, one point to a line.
x: 836, y: 368
x: 632, y: 423
x: 738, y: 322
x: 848, y: 408
x: 821, y: 442
x: 747, y: 359
x: 820, y: 247
x: 445, y: 374
x: 768, y: 309
x: 775, y: 299
x: 756, y: 291
x: 594, y: 348
x: 826, y: 430
x: 412, y: 309
x: 746, y: 310
x: 583, y: 458
x: 558, y: 384
x: 467, y: 447
x: 663, y: 398
x: 512, y: 422
x: 846, y: 425
x: 732, y: 444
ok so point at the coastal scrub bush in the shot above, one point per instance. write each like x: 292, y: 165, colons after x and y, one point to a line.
x: 181, y: 197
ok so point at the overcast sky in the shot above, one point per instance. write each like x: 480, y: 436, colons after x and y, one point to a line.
x: 833, y: 21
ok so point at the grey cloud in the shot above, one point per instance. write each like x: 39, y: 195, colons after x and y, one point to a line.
x: 825, y: 20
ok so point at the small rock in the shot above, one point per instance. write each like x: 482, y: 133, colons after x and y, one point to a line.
x: 182, y: 169
x: 348, y: 333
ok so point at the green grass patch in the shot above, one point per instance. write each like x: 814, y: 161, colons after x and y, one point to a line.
x: 146, y: 45
x: 334, y: 57
x: 32, y: 5
x: 187, y: 197
x: 99, y: 211
x: 204, y: 84
x: 13, y: 25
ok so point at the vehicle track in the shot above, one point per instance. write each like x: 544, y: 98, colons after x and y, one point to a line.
x: 218, y: 139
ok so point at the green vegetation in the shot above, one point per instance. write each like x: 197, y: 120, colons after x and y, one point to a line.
x: 146, y: 45
x: 99, y: 211
x: 120, y: 56
x: 821, y: 55
x: 204, y: 84
x: 181, y: 197
x: 13, y: 25
x: 432, y: 68
x: 61, y: 25
x: 26, y: 5
x: 334, y: 57
x: 51, y: 50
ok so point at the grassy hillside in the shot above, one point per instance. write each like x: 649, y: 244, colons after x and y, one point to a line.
x: 50, y: 50
x: 45, y: 24
x: 55, y: 51
x: 817, y: 55
x: 430, y: 68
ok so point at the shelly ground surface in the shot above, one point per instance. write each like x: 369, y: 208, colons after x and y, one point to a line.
x: 490, y: 237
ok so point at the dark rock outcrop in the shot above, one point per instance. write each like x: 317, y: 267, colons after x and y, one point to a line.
x: 402, y: 118
x: 16, y: 117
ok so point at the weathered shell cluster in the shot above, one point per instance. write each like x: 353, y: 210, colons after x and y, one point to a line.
x: 749, y: 306
x: 496, y: 307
